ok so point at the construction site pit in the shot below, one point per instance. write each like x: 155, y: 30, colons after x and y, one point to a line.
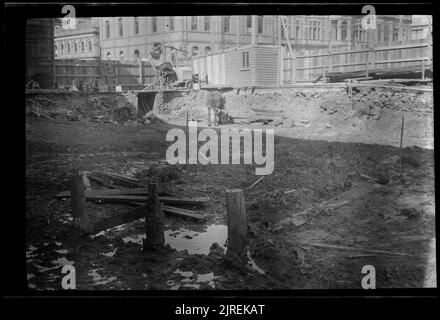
x: 313, y: 223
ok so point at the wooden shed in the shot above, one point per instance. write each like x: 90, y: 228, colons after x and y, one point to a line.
x: 251, y: 65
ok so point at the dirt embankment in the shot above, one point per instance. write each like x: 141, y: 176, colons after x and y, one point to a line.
x: 117, y: 108
x: 321, y: 112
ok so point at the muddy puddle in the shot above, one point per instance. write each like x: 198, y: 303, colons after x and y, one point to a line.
x: 197, y: 242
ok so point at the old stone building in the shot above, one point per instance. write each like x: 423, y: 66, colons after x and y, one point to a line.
x: 81, y: 43
x: 131, y: 38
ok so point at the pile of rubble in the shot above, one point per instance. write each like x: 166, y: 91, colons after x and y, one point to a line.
x: 76, y: 107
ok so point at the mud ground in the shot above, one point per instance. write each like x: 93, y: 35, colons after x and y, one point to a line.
x: 398, y: 217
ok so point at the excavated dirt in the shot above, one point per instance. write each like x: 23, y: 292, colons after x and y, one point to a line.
x: 370, y: 115
x: 398, y: 217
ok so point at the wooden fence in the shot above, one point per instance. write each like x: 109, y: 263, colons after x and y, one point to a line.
x: 129, y: 75
x: 308, y: 65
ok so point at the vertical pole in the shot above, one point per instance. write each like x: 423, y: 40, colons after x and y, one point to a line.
x: 254, y: 30
x: 187, y: 137
x: 154, y: 221
x: 401, y: 145
x: 294, y: 66
x: 78, y: 200
x: 237, y: 228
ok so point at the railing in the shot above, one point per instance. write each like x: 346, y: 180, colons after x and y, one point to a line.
x: 308, y: 65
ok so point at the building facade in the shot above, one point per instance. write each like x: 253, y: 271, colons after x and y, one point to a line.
x: 421, y: 27
x: 132, y: 38
x: 81, y: 43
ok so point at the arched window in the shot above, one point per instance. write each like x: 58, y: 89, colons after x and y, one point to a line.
x: 194, y: 51
x: 344, y: 30
x: 68, y: 48
x: 107, y: 29
x: 90, y: 46
x: 136, y: 54
x: 62, y: 48
x: 83, y: 47
x: 207, y: 50
x: 75, y: 47
x: 121, y: 55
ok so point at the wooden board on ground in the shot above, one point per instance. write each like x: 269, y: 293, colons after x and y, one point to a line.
x: 136, y: 197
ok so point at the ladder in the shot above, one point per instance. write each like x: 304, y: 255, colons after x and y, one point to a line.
x: 110, y: 76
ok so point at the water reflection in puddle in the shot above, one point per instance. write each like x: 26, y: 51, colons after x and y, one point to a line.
x: 197, y: 242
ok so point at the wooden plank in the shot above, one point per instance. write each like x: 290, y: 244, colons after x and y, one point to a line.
x: 123, y: 197
x: 126, y: 191
x: 118, y: 219
x: 117, y: 179
x: 183, y: 212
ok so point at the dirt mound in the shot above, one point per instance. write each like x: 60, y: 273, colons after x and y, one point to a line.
x: 76, y: 107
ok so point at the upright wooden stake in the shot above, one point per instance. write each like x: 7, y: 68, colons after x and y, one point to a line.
x: 237, y: 227
x: 78, y: 200
x: 187, y: 138
x: 401, y: 144
x: 154, y: 221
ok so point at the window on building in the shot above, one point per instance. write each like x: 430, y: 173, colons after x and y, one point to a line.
x: 83, y: 47
x: 260, y: 24
x: 121, y: 55
x: 395, y: 34
x: 56, y: 49
x: 62, y: 48
x: 207, y: 23
x: 154, y: 24
x: 136, y: 54
x: 107, y: 29
x: 121, y: 31
x: 90, y: 46
x: 245, y: 59
x: 109, y: 55
x: 68, y: 48
x: 172, y: 23
x: 194, y: 23
x: 386, y: 34
x: 334, y: 30
x: 136, y: 25
x: 226, y: 24
x: 344, y: 30
x: 298, y: 30
x: 75, y: 47
x: 194, y: 51
x: 249, y: 24
x: 207, y: 50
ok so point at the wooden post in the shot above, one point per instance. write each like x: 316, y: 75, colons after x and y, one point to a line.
x: 154, y: 221
x: 187, y: 137
x: 294, y: 66
x: 237, y: 227
x: 78, y: 200
x: 401, y: 145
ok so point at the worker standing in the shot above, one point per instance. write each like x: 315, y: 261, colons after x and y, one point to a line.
x: 214, y: 104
